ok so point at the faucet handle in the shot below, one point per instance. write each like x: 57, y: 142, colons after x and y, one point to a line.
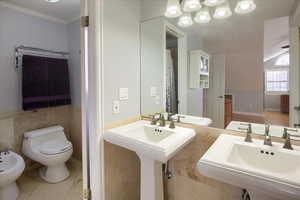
x: 287, y: 143
x: 180, y: 117
x: 248, y: 130
x: 172, y: 124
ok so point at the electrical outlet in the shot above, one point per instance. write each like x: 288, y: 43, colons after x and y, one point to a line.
x: 116, y: 107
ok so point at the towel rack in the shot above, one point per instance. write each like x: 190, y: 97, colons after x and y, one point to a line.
x: 36, y: 50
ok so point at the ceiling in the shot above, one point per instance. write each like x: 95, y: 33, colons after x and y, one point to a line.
x: 241, y: 32
x: 276, y: 35
x: 64, y: 10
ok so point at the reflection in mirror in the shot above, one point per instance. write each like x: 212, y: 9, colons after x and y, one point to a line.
x: 236, y: 68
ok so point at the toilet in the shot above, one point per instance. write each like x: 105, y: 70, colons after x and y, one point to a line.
x: 50, y: 147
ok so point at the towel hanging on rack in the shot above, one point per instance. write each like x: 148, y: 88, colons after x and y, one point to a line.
x: 45, y: 82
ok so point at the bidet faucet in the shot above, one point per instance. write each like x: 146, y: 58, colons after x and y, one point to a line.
x: 248, y: 137
x: 268, y: 140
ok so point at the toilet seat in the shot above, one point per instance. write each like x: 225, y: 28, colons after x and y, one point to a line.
x: 55, y: 147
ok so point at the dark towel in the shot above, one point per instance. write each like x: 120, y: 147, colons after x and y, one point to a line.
x: 45, y: 82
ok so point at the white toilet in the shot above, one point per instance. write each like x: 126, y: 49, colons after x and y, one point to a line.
x: 50, y: 147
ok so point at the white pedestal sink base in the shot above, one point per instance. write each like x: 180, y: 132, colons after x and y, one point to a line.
x: 148, y: 191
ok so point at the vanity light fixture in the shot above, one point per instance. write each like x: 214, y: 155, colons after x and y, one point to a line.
x: 185, y: 8
x: 213, y: 3
x: 52, y: 1
x: 173, y: 9
x: 185, y: 20
x: 203, y: 16
x: 222, y: 12
x: 191, y: 5
x: 245, y: 6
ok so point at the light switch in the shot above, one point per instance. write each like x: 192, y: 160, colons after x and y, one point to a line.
x: 116, y: 107
x: 123, y: 94
x: 153, y: 91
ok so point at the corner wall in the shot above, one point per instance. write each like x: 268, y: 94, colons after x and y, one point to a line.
x: 121, y: 57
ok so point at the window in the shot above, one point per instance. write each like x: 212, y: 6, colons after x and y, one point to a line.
x: 277, y: 81
x: 283, y: 60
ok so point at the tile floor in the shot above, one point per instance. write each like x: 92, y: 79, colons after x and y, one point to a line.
x: 32, y: 187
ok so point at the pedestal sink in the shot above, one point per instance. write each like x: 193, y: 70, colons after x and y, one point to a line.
x: 151, y: 143
x: 268, y: 173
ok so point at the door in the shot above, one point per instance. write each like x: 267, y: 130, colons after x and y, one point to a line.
x: 84, y: 100
x: 214, y: 96
x: 91, y: 96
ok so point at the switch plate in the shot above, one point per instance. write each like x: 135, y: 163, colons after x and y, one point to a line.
x: 153, y: 91
x: 116, y: 107
x: 123, y: 94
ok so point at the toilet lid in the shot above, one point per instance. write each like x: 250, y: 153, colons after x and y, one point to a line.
x: 55, y: 147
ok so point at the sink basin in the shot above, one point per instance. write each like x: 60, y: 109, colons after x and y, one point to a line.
x: 151, y: 143
x: 268, y: 173
x: 200, y: 121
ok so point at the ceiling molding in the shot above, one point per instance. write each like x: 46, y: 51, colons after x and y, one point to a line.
x: 31, y: 12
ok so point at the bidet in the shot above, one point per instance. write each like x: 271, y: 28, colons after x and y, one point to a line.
x: 11, y: 167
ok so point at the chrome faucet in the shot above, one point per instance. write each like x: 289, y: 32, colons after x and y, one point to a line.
x: 153, y: 119
x: 161, y: 120
x: 268, y: 140
x: 287, y: 137
x: 248, y: 137
x: 4, y: 149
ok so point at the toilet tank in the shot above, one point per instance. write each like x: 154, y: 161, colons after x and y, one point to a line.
x: 37, y: 137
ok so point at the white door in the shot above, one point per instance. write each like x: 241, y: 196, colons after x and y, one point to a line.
x: 214, y: 95
x: 92, y: 105
x: 84, y: 100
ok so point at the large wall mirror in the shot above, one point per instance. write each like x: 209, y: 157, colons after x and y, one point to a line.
x: 224, y: 71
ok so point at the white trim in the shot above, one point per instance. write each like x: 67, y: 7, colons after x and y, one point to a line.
x: 95, y: 99
x: 182, y: 66
x: 248, y: 113
x: 272, y: 109
x: 31, y: 12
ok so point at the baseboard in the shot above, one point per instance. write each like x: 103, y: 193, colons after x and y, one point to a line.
x: 249, y: 114
x: 272, y: 109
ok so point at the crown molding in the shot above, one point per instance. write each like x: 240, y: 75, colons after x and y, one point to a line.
x: 31, y: 12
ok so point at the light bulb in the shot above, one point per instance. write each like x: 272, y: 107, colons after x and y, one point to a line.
x: 222, y: 12
x: 245, y: 6
x: 185, y: 20
x: 191, y: 5
x: 213, y: 2
x: 203, y: 16
x: 173, y: 9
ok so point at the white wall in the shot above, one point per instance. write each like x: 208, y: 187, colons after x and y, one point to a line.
x: 74, y: 61
x: 121, y: 57
x: 20, y: 29
x: 244, y: 80
x: 195, y: 96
